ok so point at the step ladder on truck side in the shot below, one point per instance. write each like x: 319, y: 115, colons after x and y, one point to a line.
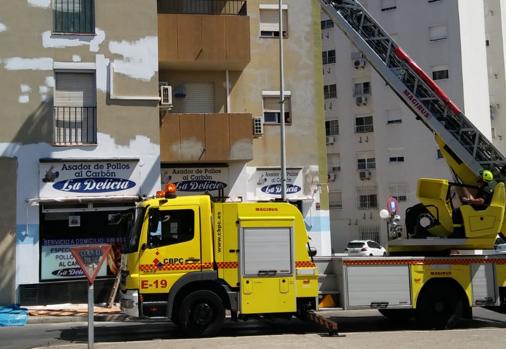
x: 467, y: 151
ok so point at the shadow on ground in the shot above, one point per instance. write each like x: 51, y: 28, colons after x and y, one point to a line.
x: 138, y: 331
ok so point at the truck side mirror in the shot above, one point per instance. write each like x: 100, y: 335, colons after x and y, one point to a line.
x: 312, y: 251
x: 154, y: 218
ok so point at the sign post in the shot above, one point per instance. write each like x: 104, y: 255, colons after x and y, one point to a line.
x: 392, y: 205
x: 90, y: 258
x: 394, y: 228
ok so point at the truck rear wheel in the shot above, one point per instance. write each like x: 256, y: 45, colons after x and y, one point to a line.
x: 201, y: 314
x: 439, y: 307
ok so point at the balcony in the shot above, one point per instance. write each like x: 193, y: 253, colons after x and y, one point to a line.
x: 203, y: 34
x: 75, y: 125
x: 206, y: 138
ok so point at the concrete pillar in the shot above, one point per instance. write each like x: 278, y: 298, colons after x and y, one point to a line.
x: 8, y: 179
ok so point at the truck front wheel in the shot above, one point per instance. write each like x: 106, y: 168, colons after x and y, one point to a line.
x: 201, y: 314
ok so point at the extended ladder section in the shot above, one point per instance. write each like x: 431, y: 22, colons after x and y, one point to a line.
x: 461, y: 140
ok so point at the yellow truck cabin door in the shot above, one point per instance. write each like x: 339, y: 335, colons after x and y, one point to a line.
x: 172, y: 247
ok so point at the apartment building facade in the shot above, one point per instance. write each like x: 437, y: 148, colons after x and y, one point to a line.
x: 222, y: 66
x: 79, y: 141
x: 376, y: 147
x: 98, y: 113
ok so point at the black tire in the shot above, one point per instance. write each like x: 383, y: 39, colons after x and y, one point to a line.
x: 201, y: 314
x: 398, y: 315
x: 439, y: 307
x: 413, y: 217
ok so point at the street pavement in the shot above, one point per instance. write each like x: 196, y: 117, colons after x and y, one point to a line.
x: 362, y: 329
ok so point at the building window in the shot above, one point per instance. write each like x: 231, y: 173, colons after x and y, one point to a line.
x: 396, y: 155
x: 387, y: 5
x: 74, y: 16
x: 272, y: 110
x: 369, y: 233
x: 396, y: 159
x: 399, y: 191
x: 394, y: 116
x: 440, y: 73
x: 329, y: 57
x: 367, y: 201
x: 335, y: 200
x: 366, y: 163
x: 361, y: 89
x: 439, y: 154
x: 429, y: 1
x: 269, y: 21
x: 327, y: 24
x: 364, y: 124
x: 75, y: 108
x: 334, y: 166
x: 330, y: 91
x: 438, y: 32
x: 331, y: 127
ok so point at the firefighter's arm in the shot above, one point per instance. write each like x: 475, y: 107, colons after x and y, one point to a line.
x: 471, y: 200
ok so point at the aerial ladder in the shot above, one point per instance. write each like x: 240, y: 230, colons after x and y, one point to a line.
x: 431, y: 225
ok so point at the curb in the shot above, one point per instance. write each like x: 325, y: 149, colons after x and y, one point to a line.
x: 61, y: 319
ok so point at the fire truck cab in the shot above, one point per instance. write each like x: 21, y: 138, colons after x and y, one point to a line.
x: 189, y: 259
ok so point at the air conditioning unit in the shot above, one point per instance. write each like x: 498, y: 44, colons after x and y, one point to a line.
x: 493, y: 111
x: 165, y: 94
x: 332, y: 177
x: 364, y: 175
x: 359, y: 63
x: 258, y: 126
x: 331, y: 140
x: 361, y: 100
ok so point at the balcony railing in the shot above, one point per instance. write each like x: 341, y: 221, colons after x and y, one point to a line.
x: 208, y: 7
x: 75, y: 125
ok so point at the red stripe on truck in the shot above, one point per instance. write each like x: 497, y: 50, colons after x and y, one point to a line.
x: 403, y: 56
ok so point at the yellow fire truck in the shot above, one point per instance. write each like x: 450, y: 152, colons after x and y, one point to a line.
x: 189, y: 259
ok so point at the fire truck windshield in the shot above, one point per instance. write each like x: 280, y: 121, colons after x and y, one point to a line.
x: 134, y: 231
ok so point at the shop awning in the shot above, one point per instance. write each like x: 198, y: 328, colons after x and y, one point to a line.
x: 84, y: 199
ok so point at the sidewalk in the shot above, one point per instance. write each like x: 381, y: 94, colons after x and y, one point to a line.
x: 72, y: 313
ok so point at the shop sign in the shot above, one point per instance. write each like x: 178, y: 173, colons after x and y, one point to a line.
x: 58, y: 263
x: 89, y: 178
x: 268, y: 182
x: 196, y: 180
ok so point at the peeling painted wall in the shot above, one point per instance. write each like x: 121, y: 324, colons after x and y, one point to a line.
x: 125, y: 128
x: 132, y: 49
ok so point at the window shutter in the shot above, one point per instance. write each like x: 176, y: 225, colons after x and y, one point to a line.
x: 75, y: 90
x: 269, y: 20
x: 438, y: 32
x: 199, y: 98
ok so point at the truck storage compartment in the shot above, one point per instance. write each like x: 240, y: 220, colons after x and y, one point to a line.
x: 377, y: 286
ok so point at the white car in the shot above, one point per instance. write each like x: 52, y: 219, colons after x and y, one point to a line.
x: 365, y: 248
x: 500, y: 245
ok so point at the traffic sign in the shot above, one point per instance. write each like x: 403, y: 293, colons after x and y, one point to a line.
x: 392, y: 205
x: 90, y: 258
